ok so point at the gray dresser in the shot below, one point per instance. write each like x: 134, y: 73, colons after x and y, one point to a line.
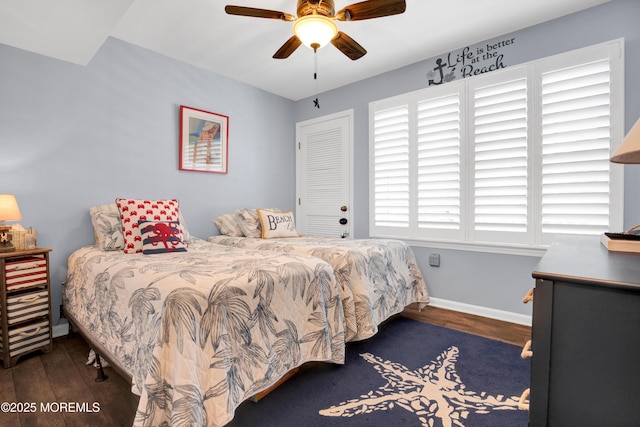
x: 585, y: 368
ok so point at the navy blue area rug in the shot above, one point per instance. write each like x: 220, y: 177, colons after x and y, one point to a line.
x: 410, y: 374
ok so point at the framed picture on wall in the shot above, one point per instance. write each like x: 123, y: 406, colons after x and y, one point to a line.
x: 203, y: 140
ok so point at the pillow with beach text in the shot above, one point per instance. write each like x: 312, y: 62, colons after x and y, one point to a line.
x: 277, y: 224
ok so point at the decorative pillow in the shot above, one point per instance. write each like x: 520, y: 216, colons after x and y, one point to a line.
x: 159, y: 237
x: 249, y: 222
x: 134, y: 210
x: 186, y: 236
x: 228, y: 225
x: 277, y: 224
x: 107, y: 227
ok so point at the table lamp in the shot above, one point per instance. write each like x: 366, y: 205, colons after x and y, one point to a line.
x: 629, y: 149
x: 628, y: 153
x: 9, y: 211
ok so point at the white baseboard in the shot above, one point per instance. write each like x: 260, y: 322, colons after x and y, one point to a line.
x: 60, y: 330
x: 492, y: 313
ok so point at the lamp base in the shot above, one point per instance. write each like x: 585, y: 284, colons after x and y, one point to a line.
x: 5, y: 239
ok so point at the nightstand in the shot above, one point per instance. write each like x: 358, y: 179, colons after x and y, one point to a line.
x: 25, y: 304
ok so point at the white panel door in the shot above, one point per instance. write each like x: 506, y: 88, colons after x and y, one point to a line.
x: 324, y: 175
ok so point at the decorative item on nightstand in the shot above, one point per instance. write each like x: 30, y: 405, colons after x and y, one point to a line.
x: 9, y: 211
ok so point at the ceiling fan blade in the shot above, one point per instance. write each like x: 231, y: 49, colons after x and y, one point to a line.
x: 371, y: 9
x: 348, y: 46
x: 258, y: 13
x: 288, y: 48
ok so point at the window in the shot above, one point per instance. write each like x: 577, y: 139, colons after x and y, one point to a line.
x: 509, y: 159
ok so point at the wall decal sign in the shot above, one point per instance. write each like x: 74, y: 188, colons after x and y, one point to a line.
x: 468, y: 62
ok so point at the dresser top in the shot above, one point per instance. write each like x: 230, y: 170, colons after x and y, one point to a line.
x: 583, y: 259
x: 24, y: 252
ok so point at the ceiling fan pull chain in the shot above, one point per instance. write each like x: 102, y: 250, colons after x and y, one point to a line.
x: 315, y: 68
x: 316, y: 103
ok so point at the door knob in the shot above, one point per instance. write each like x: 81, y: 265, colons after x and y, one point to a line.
x: 343, y: 221
x: 343, y: 208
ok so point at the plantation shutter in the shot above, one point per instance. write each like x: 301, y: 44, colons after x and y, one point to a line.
x: 391, y: 169
x: 500, y: 158
x: 438, y: 163
x: 507, y: 159
x: 576, y: 133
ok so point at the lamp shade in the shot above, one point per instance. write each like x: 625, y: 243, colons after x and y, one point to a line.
x: 629, y: 149
x: 315, y: 31
x: 9, y: 210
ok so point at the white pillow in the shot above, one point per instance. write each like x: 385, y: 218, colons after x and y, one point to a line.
x: 228, y: 225
x: 107, y: 227
x: 277, y: 224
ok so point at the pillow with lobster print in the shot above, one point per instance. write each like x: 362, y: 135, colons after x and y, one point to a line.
x: 159, y: 237
x: 132, y: 211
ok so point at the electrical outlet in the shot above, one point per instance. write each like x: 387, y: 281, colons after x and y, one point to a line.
x: 434, y: 260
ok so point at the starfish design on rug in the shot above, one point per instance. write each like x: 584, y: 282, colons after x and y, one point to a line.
x: 433, y: 391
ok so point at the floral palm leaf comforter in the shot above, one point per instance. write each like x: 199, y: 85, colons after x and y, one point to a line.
x: 378, y: 277
x: 203, y: 330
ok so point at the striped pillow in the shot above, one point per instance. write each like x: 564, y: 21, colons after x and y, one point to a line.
x: 160, y: 237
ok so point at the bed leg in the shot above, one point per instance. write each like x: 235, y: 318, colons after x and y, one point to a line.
x: 101, y: 376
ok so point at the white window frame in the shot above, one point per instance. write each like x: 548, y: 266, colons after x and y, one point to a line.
x: 535, y: 243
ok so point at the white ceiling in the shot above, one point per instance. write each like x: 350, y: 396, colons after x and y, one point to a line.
x: 199, y: 32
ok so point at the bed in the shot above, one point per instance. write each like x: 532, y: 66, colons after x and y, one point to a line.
x: 199, y: 337
x: 199, y: 331
x: 379, y: 276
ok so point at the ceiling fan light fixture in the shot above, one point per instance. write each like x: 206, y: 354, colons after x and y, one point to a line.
x: 315, y: 31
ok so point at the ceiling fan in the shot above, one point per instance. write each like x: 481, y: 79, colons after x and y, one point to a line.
x: 315, y: 27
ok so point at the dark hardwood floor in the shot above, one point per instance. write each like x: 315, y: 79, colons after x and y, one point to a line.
x: 61, y: 376
x: 489, y: 328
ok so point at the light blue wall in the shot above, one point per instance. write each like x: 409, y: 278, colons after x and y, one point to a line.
x: 72, y: 137
x: 482, y: 279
